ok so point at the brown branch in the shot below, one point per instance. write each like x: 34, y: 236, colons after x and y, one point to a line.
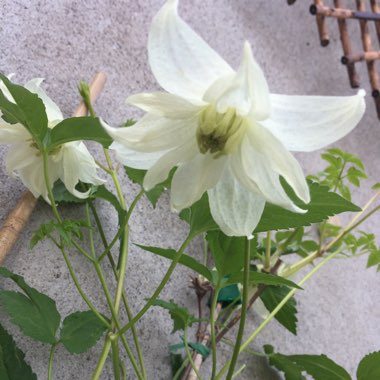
x: 19, y: 216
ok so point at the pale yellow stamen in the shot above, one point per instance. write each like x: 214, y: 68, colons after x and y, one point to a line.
x: 219, y: 133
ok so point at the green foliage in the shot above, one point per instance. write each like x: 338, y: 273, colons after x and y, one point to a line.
x: 323, y: 204
x: 35, y: 313
x: 185, y: 260
x: 257, y: 278
x: 137, y: 176
x: 79, y: 128
x: 128, y: 123
x: 176, y: 361
x: 29, y: 110
x: 199, y: 217
x: 369, y: 367
x: 228, y: 295
x: 67, y: 231
x: 62, y: 195
x: 198, y: 347
x: 227, y: 251
x: 343, y: 169
x: 80, y: 331
x: 180, y: 315
x: 12, y: 363
x: 287, y: 315
x: 319, y: 367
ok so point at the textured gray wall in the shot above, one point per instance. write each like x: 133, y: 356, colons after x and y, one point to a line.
x: 65, y: 41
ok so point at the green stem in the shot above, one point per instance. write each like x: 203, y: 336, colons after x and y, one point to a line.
x: 239, y: 338
x: 239, y: 371
x: 157, y: 292
x: 51, y: 358
x: 102, y: 359
x: 189, y: 357
x: 268, y: 252
x: 115, y: 359
x: 212, y: 329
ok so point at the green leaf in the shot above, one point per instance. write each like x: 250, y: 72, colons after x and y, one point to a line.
x: 185, y: 260
x: 369, y: 367
x: 198, y: 347
x: 180, y: 315
x: 61, y: 194
x: 228, y: 295
x: 373, y: 259
x: 376, y: 186
x: 199, y: 217
x: 262, y: 278
x: 12, y: 363
x: 137, y: 176
x: 320, y: 367
x: 67, y: 230
x: 30, y: 110
x: 323, y: 204
x: 35, y: 313
x: 227, y: 251
x: 80, y: 331
x: 287, y: 316
x: 79, y: 128
x: 291, y: 370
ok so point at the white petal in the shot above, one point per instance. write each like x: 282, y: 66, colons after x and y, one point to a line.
x: 53, y: 112
x: 152, y: 133
x: 182, y: 62
x: 160, y: 171
x: 236, y: 210
x: 78, y: 165
x: 32, y: 177
x: 193, y: 178
x: 166, y: 105
x: 13, y: 133
x: 307, y: 123
x: 21, y: 155
x: 135, y: 159
x: 264, y: 159
x: 247, y: 91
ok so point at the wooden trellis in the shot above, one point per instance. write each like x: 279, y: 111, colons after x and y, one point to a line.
x: 351, y: 57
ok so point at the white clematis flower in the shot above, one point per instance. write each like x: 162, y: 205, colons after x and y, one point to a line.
x: 223, y: 130
x: 70, y: 163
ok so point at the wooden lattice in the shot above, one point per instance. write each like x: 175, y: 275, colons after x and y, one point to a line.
x: 350, y: 57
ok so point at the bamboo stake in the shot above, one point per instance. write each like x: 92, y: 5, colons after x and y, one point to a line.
x: 323, y: 34
x: 19, y: 216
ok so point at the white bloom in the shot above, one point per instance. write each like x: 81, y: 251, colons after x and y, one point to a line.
x: 223, y: 129
x: 70, y: 163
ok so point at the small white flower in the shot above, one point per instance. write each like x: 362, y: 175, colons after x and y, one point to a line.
x: 70, y: 163
x: 223, y: 130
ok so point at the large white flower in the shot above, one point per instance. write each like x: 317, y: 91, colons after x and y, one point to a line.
x: 223, y: 130
x: 70, y: 163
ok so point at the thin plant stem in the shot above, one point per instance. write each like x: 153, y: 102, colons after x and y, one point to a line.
x: 245, y: 297
x: 239, y: 371
x: 212, y: 330
x: 102, y: 359
x: 189, y: 357
x: 268, y: 252
x: 51, y: 361
x: 157, y: 292
x: 115, y: 359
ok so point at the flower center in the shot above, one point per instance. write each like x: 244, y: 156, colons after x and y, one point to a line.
x: 219, y: 133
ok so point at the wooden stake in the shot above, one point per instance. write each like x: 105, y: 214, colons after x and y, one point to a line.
x: 19, y: 216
